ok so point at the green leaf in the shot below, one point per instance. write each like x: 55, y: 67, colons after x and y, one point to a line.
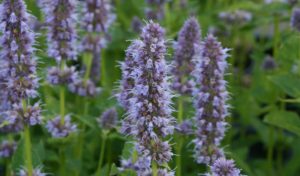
x: 289, y: 121
x: 18, y: 157
x: 289, y: 84
x: 127, y: 150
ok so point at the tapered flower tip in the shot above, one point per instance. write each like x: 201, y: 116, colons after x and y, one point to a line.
x: 152, y: 32
x: 191, y: 29
x: 223, y: 167
x: 295, y: 19
x: 7, y: 148
x: 59, y: 129
x: 108, y: 119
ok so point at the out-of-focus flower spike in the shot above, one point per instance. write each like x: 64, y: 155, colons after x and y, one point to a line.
x: 210, y: 102
x: 108, y: 119
x: 295, y: 19
x: 189, y: 36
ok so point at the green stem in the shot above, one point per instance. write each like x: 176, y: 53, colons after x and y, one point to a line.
x: 62, y: 104
x: 62, y: 97
x: 179, y: 140
x: 103, y: 70
x: 62, y: 160
x: 7, y: 168
x: 108, y: 157
x: 270, y: 150
x: 101, y: 157
x: 154, y: 169
x: 88, y: 57
x: 27, y: 146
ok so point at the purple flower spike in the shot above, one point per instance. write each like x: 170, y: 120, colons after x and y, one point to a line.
x: 30, y: 116
x: 189, y: 36
x: 58, y: 129
x: 149, y: 114
x: 210, y: 102
x: 56, y: 76
x: 295, y: 19
x: 7, y: 148
x: 223, y: 167
x: 84, y: 88
x: 97, y: 18
x: 19, y: 67
x: 108, y: 119
x: 155, y: 9
x: 185, y: 128
x: 60, y: 19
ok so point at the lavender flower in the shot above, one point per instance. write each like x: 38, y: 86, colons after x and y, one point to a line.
x: 236, y: 17
x: 155, y: 11
x: 96, y: 67
x: 223, y: 167
x: 57, y: 76
x: 210, y: 102
x: 58, y: 129
x: 184, y: 51
x: 295, y: 19
x: 185, y: 128
x: 19, y: 68
x: 128, y: 74
x: 136, y: 24
x: 60, y: 19
x: 269, y: 63
x: 9, y: 125
x: 150, y: 111
x: 108, y: 119
x: 97, y: 18
x: 29, y: 115
x: 36, y: 172
x: 7, y: 148
x: 142, y: 166
x: 84, y: 88
x: 165, y: 172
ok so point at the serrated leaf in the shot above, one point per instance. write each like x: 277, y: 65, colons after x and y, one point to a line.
x: 289, y: 121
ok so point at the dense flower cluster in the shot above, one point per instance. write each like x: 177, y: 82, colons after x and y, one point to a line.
x: 295, y: 19
x: 60, y: 19
x: 128, y: 74
x: 97, y: 18
x: 185, y: 127
x: 224, y: 167
x: 59, y: 129
x: 84, y: 88
x: 210, y: 102
x: 184, y: 51
x: 236, y: 17
x: 149, y: 110
x: 108, y: 119
x: 7, y: 148
x: 30, y: 114
x: 57, y: 76
x: 155, y: 11
x: 18, y: 65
